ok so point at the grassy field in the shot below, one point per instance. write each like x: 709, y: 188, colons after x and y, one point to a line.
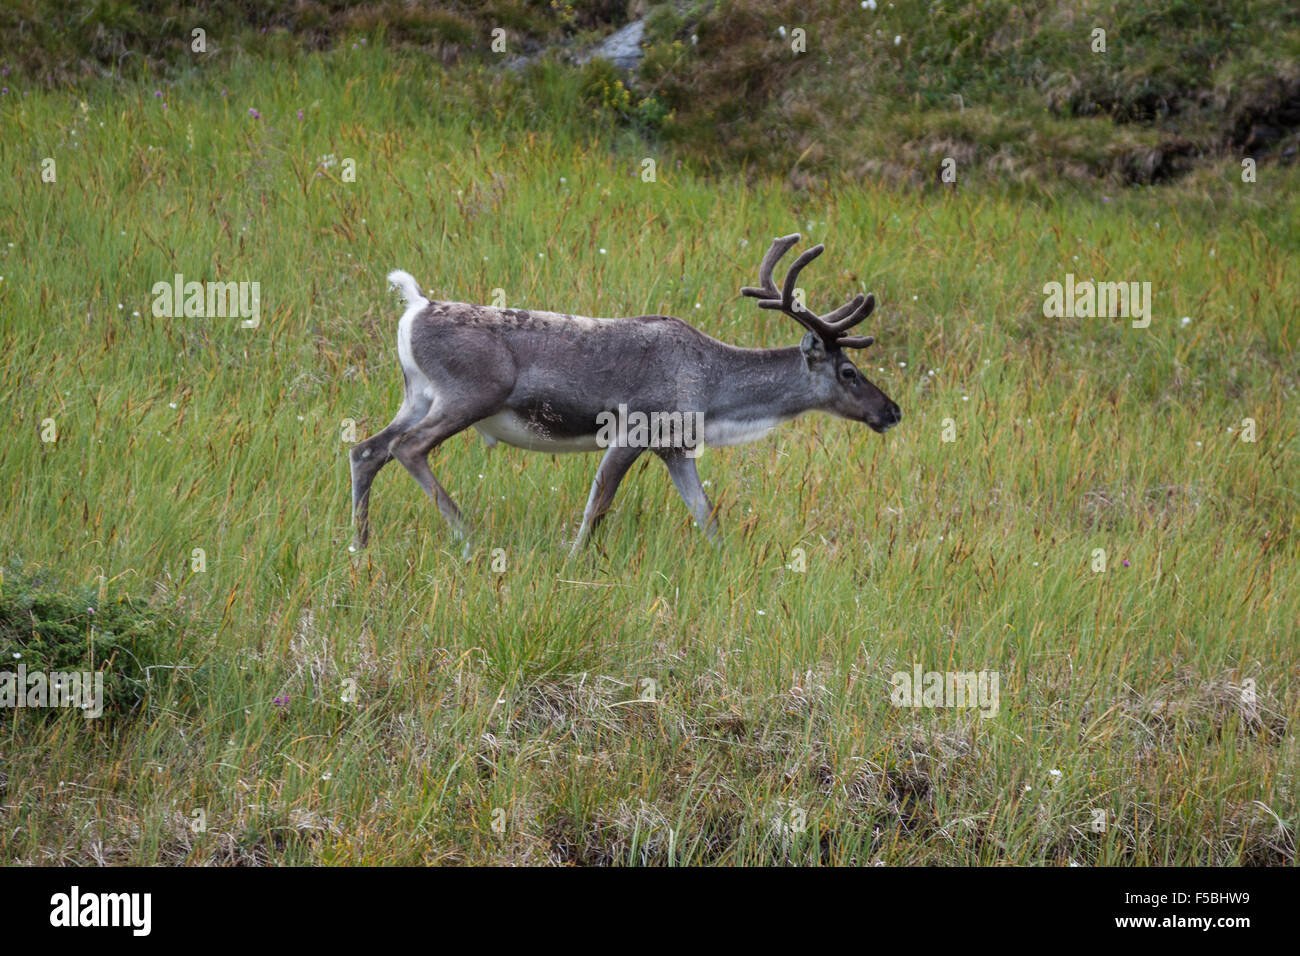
x: 657, y: 699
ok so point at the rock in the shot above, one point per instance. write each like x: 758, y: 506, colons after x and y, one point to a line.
x: 622, y: 47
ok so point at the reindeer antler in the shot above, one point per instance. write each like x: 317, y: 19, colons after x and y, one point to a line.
x: 831, y: 327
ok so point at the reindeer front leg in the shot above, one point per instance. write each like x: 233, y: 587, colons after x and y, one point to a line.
x: 687, y: 480
x: 617, y: 460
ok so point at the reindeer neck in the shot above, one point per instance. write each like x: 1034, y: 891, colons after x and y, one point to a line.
x: 762, y: 384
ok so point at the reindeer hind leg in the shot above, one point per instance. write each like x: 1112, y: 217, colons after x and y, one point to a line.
x: 369, y: 456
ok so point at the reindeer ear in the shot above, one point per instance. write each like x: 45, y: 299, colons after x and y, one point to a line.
x: 813, y: 349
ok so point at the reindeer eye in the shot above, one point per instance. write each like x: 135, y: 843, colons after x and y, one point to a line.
x: 848, y: 374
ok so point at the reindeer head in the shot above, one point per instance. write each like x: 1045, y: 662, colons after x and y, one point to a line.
x: 844, y: 390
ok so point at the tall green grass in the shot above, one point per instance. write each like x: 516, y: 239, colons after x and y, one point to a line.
x: 656, y: 700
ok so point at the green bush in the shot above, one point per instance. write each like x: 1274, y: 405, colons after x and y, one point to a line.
x: 90, y: 628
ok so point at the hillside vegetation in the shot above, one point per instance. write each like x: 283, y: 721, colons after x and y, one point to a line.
x: 1019, y: 92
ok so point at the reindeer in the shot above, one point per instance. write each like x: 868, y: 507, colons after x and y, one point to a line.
x: 542, y: 381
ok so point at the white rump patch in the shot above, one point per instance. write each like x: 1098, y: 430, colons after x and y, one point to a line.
x: 407, y: 285
x: 422, y: 393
